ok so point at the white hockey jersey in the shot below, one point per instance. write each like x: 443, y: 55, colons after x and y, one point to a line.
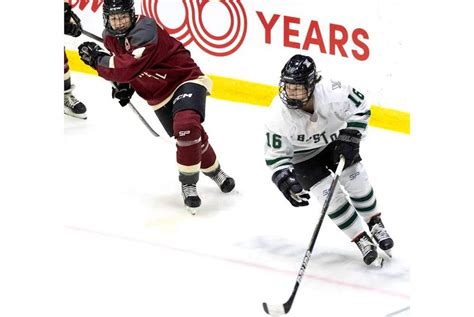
x: 294, y: 136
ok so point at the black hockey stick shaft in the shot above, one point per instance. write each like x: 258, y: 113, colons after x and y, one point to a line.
x: 99, y: 39
x: 285, y: 308
x: 92, y: 36
x: 143, y: 119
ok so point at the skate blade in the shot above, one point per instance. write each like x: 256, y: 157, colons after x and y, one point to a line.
x: 193, y: 211
x: 378, y: 262
x: 388, y: 252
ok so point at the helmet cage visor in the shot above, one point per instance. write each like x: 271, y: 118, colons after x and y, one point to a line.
x: 291, y: 90
x: 118, y: 13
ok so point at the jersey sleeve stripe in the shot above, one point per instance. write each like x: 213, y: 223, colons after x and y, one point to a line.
x: 367, y: 113
x: 271, y: 162
x: 357, y: 125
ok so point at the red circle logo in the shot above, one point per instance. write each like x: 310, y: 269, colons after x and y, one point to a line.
x: 193, y: 29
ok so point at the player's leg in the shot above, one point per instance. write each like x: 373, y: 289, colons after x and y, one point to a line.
x: 356, y: 182
x: 187, y: 157
x: 314, y: 176
x: 211, y: 167
x: 187, y: 132
x: 192, y: 97
x: 72, y: 106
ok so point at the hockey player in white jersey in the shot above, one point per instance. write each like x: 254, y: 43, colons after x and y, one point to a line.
x: 310, y: 124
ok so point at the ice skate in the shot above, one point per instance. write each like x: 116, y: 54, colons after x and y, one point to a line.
x: 224, y: 181
x: 368, y: 249
x: 380, y: 235
x: 72, y: 106
x: 191, y: 198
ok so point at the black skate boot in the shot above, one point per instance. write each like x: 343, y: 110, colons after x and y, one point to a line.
x: 189, y: 191
x: 380, y: 234
x: 190, y: 195
x: 72, y: 106
x: 224, y: 181
x: 366, y: 247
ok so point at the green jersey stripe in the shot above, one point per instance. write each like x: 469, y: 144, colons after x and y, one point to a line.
x: 305, y: 151
x: 271, y: 162
x: 367, y: 113
x: 357, y: 125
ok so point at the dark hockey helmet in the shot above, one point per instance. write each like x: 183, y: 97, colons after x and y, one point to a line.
x: 111, y: 7
x: 299, y: 70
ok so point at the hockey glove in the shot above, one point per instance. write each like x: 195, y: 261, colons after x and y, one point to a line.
x: 90, y: 53
x: 123, y: 92
x: 73, y: 27
x: 346, y: 144
x: 292, y: 190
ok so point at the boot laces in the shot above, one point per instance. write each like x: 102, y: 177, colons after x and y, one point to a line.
x: 220, y: 177
x: 379, y: 232
x: 365, y: 245
x: 70, y: 100
x: 189, y: 190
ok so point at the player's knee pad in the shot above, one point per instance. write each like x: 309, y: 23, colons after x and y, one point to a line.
x: 321, y: 191
x: 356, y: 182
x: 187, y: 128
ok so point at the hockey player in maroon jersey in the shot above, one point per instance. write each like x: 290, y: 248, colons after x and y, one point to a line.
x: 146, y: 59
x: 72, y: 27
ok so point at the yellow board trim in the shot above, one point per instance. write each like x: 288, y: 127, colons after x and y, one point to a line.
x: 262, y: 95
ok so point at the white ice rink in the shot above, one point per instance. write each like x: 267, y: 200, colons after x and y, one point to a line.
x: 134, y: 251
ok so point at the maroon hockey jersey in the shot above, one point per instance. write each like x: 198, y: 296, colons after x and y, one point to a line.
x: 152, y: 61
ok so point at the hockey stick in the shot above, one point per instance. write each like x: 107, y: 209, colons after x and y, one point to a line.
x: 92, y: 36
x: 99, y: 39
x: 285, y: 308
x: 142, y: 119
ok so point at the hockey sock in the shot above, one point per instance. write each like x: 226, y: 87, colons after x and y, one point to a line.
x: 208, y: 158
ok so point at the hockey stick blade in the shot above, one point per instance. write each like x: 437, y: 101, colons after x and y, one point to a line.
x: 274, y: 310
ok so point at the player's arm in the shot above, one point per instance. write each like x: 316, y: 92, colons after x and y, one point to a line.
x: 359, y: 110
x: 278, y: 157
x: 278, y: 151
x: 124, y: 67
x: 350, y: 105
x: 72, y: 23
x: 354, y: 109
